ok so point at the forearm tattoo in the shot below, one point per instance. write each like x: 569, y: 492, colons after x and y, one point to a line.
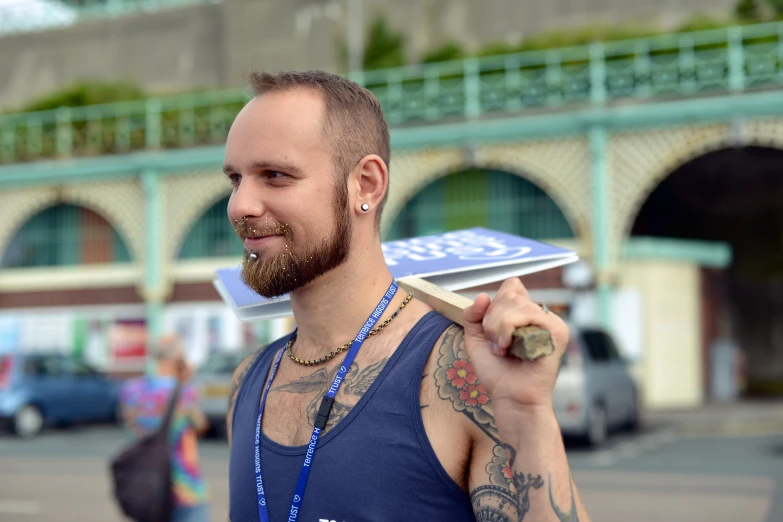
x: 506, y: 497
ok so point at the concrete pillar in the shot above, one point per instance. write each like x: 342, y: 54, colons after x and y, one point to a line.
x: 601, y: 223
x: 154, y: 287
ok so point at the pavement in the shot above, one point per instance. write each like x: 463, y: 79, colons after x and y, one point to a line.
x: 712, y: 464
x: 743, y: 417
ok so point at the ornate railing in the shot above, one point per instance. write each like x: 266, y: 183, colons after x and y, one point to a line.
x: 730, y: 60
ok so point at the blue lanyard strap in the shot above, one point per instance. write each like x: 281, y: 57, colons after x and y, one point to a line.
x: 321, y: 418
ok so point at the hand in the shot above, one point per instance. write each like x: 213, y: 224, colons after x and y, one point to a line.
x: 489, y: 325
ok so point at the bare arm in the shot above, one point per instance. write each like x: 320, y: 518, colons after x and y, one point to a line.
x: 199, y: 420
x: 539, y: 459
x: 240, y: 373
x: 518, y: 468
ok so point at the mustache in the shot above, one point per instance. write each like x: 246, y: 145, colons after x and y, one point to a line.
x: 245, y: 229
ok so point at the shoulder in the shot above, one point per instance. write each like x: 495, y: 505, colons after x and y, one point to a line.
x: 450, y: 379
x: 460, y: 412
x: 446, y: 381
x: 243, y: 368
x: 239, y: 377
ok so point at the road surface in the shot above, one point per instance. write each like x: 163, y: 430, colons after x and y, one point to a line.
x: 652, y: 476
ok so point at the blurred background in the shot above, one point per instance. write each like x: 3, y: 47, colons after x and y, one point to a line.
x: 646, y: 136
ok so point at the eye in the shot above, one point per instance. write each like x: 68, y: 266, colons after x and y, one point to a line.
x: 234, y: 179
x: 275, y: 174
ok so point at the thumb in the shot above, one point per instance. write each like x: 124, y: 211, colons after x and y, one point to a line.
x: 474, y: 315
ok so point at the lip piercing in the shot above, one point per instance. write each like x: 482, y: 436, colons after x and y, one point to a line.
x: 253, y: 256
x: 365, y: 207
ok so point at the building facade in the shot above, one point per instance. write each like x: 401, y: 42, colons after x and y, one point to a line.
x: 112, y: 218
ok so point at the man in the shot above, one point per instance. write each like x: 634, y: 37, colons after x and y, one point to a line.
x: 143, y: 404
x: 431, y: 421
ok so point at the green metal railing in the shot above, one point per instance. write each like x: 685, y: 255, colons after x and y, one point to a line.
x: 729, y: 60
x: 43, y: 15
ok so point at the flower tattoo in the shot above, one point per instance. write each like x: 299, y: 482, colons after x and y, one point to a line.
x: 499, y: 469
x: 474, y: 395
x: 457, y: 382
x: 461, y: 373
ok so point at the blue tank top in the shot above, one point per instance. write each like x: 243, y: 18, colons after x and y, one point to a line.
x: 376, y: 464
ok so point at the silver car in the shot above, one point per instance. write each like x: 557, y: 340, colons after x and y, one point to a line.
x: 595, y: 392
x: 213, y: 380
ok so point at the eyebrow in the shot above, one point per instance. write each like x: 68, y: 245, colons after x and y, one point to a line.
x: 288, y: 168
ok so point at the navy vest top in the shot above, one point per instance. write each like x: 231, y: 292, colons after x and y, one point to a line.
x: 376, y: 464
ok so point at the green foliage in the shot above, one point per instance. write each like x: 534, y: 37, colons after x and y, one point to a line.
x: 777, y: 6
x: 497, y: 48
x: 385, y: 47
x: 590, y: 34
x: 86, y: 93
x: 748, y: 10
x: 703, y: 22
x: 445, y: 53
x: 583, y: 36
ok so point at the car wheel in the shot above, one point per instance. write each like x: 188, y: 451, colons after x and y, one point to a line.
x: 117, y: 414
x: 633, y: 419
x: 28, y: 421
x: 597, y: 426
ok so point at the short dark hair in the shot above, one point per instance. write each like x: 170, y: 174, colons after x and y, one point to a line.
x: 353, y: 120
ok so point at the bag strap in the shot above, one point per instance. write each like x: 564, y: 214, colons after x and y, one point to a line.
x: 164, y: 426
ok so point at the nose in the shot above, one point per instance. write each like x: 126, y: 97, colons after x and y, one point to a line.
x: 245, y: 203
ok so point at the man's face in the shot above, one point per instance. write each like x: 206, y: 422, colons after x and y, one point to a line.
x: 286, y: 205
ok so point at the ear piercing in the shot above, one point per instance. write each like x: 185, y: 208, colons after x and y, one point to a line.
x: 365, y: 207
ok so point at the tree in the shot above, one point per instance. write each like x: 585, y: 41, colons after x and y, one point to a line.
x: 385, y: 47
x: 777, y: 6
x: 748, y: 10
x: 448, y: 51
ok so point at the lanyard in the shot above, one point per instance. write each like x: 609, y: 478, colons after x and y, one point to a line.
x: 321, y: 418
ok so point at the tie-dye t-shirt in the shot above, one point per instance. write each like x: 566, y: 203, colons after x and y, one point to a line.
x: 144, y: 401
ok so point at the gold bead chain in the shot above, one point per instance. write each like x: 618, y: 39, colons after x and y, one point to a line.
x: 347, y: 345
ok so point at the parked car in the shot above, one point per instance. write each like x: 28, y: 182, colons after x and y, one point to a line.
x: 50, y: 388
x: 213, y: 380
x: 595, y: 393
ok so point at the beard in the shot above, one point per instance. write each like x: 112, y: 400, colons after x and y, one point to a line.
x: 273, y: 275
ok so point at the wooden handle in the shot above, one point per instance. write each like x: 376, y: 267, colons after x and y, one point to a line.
x: 530, y: 342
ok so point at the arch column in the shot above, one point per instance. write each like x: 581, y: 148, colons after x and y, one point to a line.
x: 154, y: 287
x: 601, y: 224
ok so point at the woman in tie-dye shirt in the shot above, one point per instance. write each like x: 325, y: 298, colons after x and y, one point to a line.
x: 143, y: 404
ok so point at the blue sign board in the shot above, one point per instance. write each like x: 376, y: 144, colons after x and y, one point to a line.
x: 454, y: 260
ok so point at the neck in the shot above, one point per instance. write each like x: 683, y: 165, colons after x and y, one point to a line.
x: 331, y: 310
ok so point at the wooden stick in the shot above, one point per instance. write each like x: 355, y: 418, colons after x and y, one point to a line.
x: 530, y: 342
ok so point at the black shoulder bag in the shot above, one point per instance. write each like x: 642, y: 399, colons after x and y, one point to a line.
x: 141, y: 473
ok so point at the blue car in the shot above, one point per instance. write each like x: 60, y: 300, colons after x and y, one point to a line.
x: 37, y: 389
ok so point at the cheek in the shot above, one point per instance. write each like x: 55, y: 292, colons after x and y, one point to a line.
x: 315, y: 221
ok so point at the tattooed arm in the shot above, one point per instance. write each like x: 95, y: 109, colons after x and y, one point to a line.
x: 525, y: 477
x: 236, y: 383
